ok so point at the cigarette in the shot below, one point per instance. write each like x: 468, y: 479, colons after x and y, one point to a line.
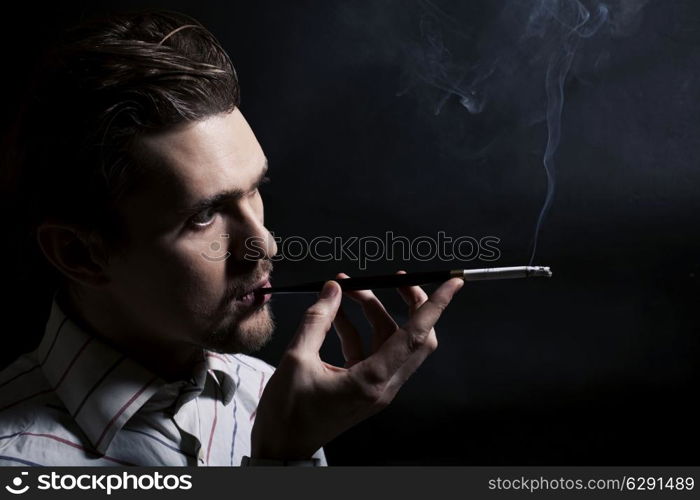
x: 409, y: 279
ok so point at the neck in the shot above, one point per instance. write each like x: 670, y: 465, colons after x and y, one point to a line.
x: 171, y: 360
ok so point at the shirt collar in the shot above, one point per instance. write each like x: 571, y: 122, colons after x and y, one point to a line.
x: 101, y: 387
x: 217, y: 368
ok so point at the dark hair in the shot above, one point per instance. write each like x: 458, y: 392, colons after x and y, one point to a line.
x: 107, y: 83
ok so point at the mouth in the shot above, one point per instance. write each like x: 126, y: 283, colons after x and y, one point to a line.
x: 250, y: 299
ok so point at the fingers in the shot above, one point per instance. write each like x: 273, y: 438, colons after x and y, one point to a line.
x: 416, y: 335
x: 317, y: 320
x: 429, y: 312
x: 399, y: 378
x: 350, y: 340
x: 413, y: 296
x: 382, y: 323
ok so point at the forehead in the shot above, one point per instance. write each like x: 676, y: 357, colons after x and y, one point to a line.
x: 204, y: 158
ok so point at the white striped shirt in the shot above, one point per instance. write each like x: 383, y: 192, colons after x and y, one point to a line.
x: 76, y: 400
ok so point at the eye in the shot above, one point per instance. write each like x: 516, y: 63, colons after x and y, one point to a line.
x: 203, y: 218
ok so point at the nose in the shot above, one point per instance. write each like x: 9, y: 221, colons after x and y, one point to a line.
x: 250, y: 240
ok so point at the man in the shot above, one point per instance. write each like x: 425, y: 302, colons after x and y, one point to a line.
x: 136, y: 160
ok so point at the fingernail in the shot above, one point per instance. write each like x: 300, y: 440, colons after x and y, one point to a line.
x: 329, y: 290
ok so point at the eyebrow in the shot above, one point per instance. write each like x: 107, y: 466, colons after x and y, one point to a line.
x: 224, y: 196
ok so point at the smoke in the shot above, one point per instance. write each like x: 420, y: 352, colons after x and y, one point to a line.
x: 572, y: 22
x: 528, y: 43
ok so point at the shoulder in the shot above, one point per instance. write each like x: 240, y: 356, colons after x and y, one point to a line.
x: 35, y: 427
x: 26, y: 364
x: 14, y: 426
x: 21, y: 383
x: 40, y: 434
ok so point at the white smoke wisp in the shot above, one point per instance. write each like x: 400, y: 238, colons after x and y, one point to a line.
x: 531, y: 44
x: 574, y: 22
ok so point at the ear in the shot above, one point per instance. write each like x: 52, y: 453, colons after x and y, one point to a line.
x: 79, y: 255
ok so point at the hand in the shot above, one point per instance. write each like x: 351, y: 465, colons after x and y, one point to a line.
x: 308, y: 402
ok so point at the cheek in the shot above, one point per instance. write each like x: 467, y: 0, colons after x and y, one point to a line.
x: 186, y: 274
x: 201, y: 262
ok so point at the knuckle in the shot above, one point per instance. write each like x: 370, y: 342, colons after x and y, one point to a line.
x: 371, y: 393
x: 431, y: 344
x: 420, y: 340
x: 315, y: 311
x: 316, y: 314
x: 372, y: 376
x: 416, y: 341
x: 416, y: 302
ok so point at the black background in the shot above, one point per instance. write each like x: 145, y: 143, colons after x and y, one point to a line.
x: 596, y: 366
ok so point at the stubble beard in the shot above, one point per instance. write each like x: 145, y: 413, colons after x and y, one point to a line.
x: 244, y: 335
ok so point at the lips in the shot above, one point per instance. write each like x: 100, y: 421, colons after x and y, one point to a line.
x: 251, y: 299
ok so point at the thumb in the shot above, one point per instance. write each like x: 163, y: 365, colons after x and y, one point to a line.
x: 317, y: 319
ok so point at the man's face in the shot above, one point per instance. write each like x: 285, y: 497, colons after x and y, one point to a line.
x: 184, y: 272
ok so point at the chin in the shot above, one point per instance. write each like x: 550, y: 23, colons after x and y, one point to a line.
x: 243, y: 335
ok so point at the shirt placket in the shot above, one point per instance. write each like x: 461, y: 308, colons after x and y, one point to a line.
x: 187, y: 420
x: 187, y: 415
